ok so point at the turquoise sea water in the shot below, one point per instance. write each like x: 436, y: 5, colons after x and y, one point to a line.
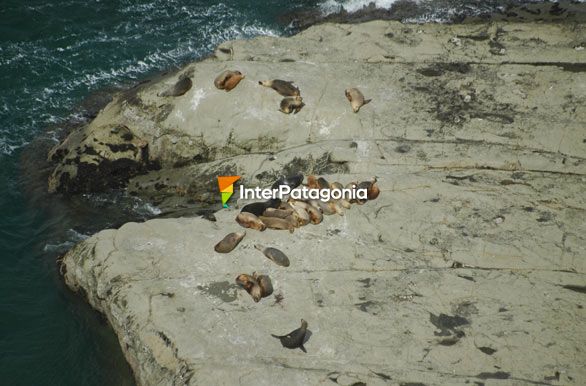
x: 53, y: 54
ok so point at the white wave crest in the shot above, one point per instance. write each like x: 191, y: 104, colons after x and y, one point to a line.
x: 333, y: 6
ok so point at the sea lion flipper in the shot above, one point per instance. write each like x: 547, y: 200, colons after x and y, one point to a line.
x: 367, y: 101
x: 303, y: 349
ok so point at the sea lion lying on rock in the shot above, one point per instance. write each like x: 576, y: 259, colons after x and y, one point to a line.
x: 283, y: 87
x: 228, y: 79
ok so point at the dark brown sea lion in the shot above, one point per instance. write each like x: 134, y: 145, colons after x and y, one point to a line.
x: 372, y: 190
x: 265, y: 284
x: 323, y: 183
x: 275, y: 255
x: 291, y: 105
x: 283, y: 87
x: 295, y: 338
x: 291, y: 181
x: 229, y: 242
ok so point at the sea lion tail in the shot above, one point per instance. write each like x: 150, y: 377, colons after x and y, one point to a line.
x: 367, y: 101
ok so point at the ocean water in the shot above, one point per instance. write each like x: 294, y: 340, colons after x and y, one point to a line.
x: 53, y: 54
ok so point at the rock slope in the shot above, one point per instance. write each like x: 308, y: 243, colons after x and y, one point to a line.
x: 468, y: 268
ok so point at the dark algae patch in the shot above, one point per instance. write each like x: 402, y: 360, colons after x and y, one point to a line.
x: 495, y: 375
x: 446, y: 323
x: 487, y: 350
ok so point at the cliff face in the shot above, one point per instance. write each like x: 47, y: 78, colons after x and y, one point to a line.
x: 469, y: 266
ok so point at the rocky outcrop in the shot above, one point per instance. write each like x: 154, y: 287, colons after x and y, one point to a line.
x: 431, y: 84
x: 469, y: 267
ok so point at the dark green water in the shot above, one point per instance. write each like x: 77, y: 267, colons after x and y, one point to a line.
x: 53, y: 54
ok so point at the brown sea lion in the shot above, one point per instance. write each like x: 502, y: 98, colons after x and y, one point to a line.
x: 295, y: 338
x: 183, y: 85
x: 336, y: 185
x: 315, y: 214
x: 228, y: 79
x: 280, y: 213
x: 344, y: 203
x: 229, y: 242
x: 356, y: 99
x: 278, y: 223
x: 248, y: 220
x: 300, y: 214
x: 251, y: 286
x: 312, y: 182
x: 283, y: 87
x: 324, y: 207
x: 275, y: 255
x: 291, y: 105
x: 335, y: 207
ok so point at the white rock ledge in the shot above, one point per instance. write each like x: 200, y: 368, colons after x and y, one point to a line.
x: 469, y: 267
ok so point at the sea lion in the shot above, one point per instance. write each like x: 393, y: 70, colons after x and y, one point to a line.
x: 280, y: 213
x: 179, y: 88
x: 278, y: 223
x: 372, y: 189
x: 352, y: 186
x: 283, y: 87
x: 295, y: 338
x: 356, y: 98
x: 335, y: 207
x: 344, y: 203
x: 291, y: 181
x: 323, y: 207
x: 291, y: 105
x: 229, y: 242
x: 256, y: 208
x: 336, y: 185
x: 312, y: 182
x: 275, y: 255
x: 300, y: 214
x: 315, y: 215
x: 251, y: 286
x: 322, y: 183
x: 249, y: 220
x: 265, y: 284
x: 228, y: 79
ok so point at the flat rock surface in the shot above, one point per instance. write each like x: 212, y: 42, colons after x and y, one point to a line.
x: 469, y: 267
